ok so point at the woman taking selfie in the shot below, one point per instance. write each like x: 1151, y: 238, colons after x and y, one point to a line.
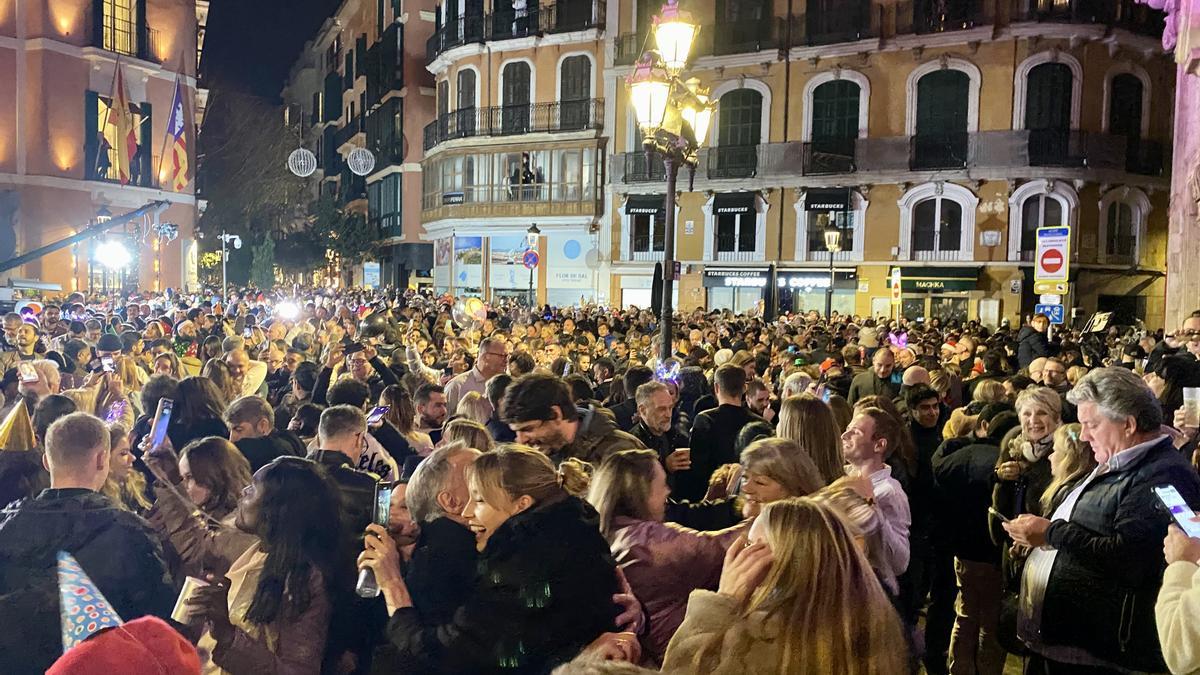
x: 767, y: 615
x: 545, y: 578
x: 663, y: 562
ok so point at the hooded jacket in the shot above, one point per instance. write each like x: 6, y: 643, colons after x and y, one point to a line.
x: 116, y: 548
x: 597, y: 438
x: 543, y: 591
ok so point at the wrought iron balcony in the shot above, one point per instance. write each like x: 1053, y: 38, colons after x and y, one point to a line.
x: 347, y: 134
x: 829, y: 156
x: 509, y: 120
x: 560, y: 17
x: 733, y: 161
x: 943, y: 16
x: 851, y: 24
x: 939, y: 151
x: 1144, y: 157
x: 122, y: 36
x: 1066, y: 11
x: 628, y: 48
x: 742, y: 37
x: 643, y: 167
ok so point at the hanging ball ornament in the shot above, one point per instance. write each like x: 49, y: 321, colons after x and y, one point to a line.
x: 302, y: 162
x: 360, y: 161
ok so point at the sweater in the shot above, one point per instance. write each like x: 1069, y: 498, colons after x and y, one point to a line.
x: 1178, y: 617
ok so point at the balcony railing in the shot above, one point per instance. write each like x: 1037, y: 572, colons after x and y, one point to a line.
x: 851, y: 24
x: 733, y: 161
x: 565, y: 16
x: 736, y: 256
x: 628, y: 48
x: 641, y: 250
x: 939, y: 151
x: 130, y: 38
x: 983, y: 149
x: 943, y: 16
x: 346, y: 134
x: 642, y: 167
x: 1066, y: 11
x: 507, y: 198
x: 829, y: 156
x: 742, y: 37
x: 937, y: 256
x: 384, y: 65
x: 509, y: 120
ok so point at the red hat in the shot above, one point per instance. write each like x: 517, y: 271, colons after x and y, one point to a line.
x: 145, y: 646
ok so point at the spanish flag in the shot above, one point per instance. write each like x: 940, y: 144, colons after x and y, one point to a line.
x: 177, y: 141
x: 120, y: 117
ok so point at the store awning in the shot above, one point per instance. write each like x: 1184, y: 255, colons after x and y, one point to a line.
x: 734, y: 202
x: 644, y: 204
x: 935, y: 279
x: 827, y: 200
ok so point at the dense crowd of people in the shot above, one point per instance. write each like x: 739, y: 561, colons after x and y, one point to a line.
x: 393, y: 482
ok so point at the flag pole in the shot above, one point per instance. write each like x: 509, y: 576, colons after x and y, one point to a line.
x: 112, y: 96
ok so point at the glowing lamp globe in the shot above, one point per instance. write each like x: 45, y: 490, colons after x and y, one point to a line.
x: 674, y: 33
x: 649, y: 91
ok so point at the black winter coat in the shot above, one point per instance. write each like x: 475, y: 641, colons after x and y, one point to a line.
x: 543, y: 591
x: 714, y: 437
x: 963, y: 476
x: 262, y: 451
x: 1109, y: 567
x: 117, y: 549
x: 1031, y: 344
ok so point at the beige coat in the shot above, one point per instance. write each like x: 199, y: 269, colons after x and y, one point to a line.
x: 1177, y: 613
x: 748, y: 646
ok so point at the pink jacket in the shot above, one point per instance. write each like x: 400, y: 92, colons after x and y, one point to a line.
x: 664, y: 563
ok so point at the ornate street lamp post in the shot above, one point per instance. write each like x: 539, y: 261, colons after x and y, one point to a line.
x: 673, y: 116
x: 833, y: 244
x: 531, y: 238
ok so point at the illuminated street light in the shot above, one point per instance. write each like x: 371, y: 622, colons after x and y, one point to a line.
x: 113, y: 255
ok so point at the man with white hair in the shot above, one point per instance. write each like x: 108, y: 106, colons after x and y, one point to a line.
x: 442, y: 569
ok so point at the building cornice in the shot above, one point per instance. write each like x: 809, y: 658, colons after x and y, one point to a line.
x: 96, y: 56
x: 111, y: 193
x: 447, y: 58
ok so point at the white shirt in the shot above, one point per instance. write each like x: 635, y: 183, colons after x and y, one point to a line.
x: 895, y: 518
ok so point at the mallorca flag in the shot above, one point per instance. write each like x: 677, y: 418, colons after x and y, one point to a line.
x: 121, y: 118
x: 177, y: 141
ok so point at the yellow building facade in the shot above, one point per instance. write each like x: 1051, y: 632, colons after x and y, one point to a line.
x: 935, y: 135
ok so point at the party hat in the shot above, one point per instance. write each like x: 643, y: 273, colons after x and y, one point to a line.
x: 83, y: 609
x: 16, y: 432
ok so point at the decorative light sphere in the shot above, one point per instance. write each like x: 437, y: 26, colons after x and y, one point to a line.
x: 302, y: 162
x: 360, y: 161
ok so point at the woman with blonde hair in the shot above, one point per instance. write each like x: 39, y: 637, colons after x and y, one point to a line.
x: 217, y: 371
x: 806, y: 420
x: 990, y: 391
x: 860, y: 511
x: 125, y: 486
x: 545, y: 582
x: 1023, y: 467
x: 800, y: 598
x: 959, y: 425
x: 471, y: 433
x: 1071, y: 461
x: 774, y: 469
x: 1075, y: 374
x: 473, y: 406
x: 663, y: 562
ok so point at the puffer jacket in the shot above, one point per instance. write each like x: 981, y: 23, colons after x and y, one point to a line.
x: 597, y: 438
x: 1109, y: 567
x: 664, y: 563
x: 542, y: 593
x: 117, y: 549
x: 1031, y: 345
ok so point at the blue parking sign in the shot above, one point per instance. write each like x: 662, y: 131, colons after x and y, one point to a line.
x: 1054, y: 312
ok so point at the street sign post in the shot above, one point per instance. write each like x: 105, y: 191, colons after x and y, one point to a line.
x: 1056, y: 287
x: 895, y: 284
x: 1052, y: 262
x: 1055, y: 313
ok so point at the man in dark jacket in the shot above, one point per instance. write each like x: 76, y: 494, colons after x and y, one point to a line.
x: 656, y: 431
x: 1032, y: 341
x: 1097, y: 562
x: 876, y: 381
x: 341, y: 435
x: 116, y: 548
x: 714, y: 434
x: 625, y: 411
x: 963, y: 475
x: 543, y: 415
x: 252, y: 430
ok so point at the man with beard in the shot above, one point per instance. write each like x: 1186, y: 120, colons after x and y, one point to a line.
x: 52, y: 323
x: 655, y: 407
x: 431, y: 410
x: 542, y: 413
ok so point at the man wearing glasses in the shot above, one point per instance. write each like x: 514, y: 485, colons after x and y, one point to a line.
x: 493, y: 359
x: 1189, y: 335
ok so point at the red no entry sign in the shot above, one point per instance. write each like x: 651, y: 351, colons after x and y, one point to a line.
x: 1052, y: 260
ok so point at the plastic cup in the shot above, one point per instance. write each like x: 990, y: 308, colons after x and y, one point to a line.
x: 1191, y: 406
x: 182, y: 612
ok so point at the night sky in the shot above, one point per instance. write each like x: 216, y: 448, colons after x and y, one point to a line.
x: 251, y: 44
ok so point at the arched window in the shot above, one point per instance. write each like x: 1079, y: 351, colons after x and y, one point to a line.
x: 515, y: 89
x: 1125, y: 106
x: 835, y: 128
x: 1038, y: 211
x: 1123, y: 213
x: 937, y: 222
x: 1038, y: 203
x: 942, y: 120
x: 739, y: 131
x: 575, y: 90
x: 937, y: 228
x: 1048, y: 115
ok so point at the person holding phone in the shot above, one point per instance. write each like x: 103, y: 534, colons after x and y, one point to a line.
x: 1176, y: 610
x: 1094, y: 571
